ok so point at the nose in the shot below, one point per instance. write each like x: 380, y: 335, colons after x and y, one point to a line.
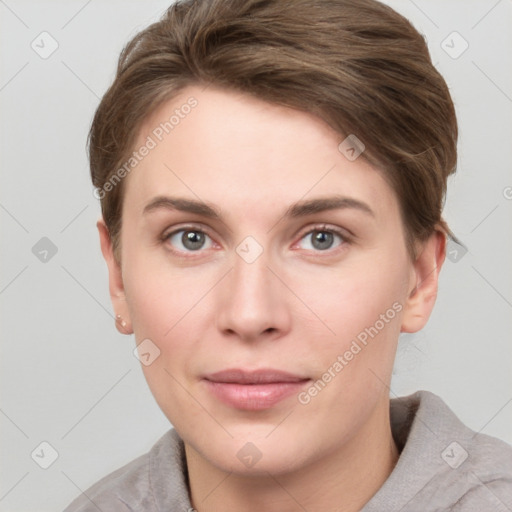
x: 253, y: 303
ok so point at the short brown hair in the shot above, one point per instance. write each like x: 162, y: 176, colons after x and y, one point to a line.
x: 357, y: 64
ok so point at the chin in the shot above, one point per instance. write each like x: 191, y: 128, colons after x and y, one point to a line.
x: 249, y: 454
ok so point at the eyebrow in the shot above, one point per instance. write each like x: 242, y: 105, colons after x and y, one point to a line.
x: 299, y: 209
x: 312, y: 206
x: 183, y: 205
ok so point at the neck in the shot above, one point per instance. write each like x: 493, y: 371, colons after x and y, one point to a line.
x: 342, y: 481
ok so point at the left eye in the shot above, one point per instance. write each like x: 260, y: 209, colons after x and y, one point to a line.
x: 187, y: 240
x: 320, y: 240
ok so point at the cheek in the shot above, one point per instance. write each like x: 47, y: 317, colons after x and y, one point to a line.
x: 166, y: 308
x: 159, y: 295
x: 360, y: 303
x: 173, y: 308
x: 363, y: 307
x: 352, y: 295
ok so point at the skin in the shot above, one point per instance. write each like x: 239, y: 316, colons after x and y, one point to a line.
x: 295, y: 308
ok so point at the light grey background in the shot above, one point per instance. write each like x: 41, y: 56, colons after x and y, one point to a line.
x: 68, y: 377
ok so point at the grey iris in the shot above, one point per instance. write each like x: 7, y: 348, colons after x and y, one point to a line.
x: 322, y: 240
x: 193, y: 240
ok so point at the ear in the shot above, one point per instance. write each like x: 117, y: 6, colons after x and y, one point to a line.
x: 115, y: 281
x: 424, y: 283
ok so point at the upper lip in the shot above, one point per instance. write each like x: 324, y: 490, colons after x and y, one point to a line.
x: 261, y: 376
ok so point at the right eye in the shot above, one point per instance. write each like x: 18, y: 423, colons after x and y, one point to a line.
x: 189, y: 240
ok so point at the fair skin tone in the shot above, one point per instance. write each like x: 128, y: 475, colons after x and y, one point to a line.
x: 327, y: 270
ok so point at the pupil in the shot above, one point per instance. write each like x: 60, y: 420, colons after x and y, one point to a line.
x: 192, y: 240
x: 322, y: 240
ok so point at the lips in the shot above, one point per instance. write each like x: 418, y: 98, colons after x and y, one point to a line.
x: 253, y: 377
x: 253, y: 390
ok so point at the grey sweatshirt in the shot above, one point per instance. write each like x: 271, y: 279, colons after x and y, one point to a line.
x: 443, y: 466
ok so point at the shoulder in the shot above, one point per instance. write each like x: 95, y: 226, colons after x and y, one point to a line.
x: 470, y: 471
x: 443, y: 464
x: 146, y: 483
x: 481, y: 466
x: 122, y: 490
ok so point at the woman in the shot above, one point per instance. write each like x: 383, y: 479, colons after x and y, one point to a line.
x: 271, y: 177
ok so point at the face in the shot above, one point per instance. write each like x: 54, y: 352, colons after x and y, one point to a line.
x: 270, y: 275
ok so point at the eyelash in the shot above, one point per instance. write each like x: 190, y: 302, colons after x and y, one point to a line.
x: 324, y: 228
x: 186, y: 254
x: 345, y: 239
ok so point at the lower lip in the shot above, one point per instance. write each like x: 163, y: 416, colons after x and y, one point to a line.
x: 254, y: 397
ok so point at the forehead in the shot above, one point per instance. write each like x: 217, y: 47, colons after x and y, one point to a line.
x: 237, y: 151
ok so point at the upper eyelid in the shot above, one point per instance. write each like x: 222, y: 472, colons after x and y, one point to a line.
x: 166, y: 236
x: 340, y: 232
x: 168, y: 233
x: 304, y: 231
x: 186, y: 227
x: 344, y: 233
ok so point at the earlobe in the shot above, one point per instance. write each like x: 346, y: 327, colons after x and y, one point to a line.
x: 424, y: 283
x: 123, y: 326
x: 115, y: 279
